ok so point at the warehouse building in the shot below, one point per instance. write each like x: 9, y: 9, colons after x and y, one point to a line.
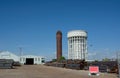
x: 9, y: 55
x: 31, y: 59
x: 25, y: 59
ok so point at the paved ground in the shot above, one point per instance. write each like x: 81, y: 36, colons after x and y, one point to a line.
x: 40, y: 71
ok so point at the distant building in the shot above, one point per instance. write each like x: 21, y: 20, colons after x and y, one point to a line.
x: 77, y: 44
x: 26, y: 59
x: 8, y: 55
x: 31, y: 59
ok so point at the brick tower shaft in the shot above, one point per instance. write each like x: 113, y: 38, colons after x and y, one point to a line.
x: 59, y: 44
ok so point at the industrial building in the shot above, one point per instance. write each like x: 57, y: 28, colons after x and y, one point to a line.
x: 26, y: 59
x: 77, y: 44
x: 9, y: 55
x: 31, y: 59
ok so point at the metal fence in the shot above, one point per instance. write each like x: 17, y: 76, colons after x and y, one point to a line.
x: 104, y: 66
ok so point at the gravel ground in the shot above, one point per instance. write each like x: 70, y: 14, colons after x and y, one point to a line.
x: 41, y: 71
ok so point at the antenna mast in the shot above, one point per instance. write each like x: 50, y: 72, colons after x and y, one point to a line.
x: 20, y: 48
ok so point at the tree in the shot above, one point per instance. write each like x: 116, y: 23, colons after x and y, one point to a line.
x: 54, y: 60
x: 62, y: 58
x: 105, y: 59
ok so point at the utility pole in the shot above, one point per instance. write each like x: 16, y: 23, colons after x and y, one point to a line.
x: 20, y: 48
x: 118, y: 61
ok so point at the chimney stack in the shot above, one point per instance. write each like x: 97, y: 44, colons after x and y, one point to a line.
x: 59, y: 44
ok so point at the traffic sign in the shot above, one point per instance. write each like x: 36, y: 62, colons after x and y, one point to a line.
x: 94, y: 70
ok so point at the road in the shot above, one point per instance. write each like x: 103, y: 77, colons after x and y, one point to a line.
x: 41, y: 71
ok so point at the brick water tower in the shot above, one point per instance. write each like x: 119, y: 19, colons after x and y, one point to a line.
x: 59, y: 44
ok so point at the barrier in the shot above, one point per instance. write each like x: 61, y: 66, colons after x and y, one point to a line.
x: 6, y: 63
x: 93, y: 70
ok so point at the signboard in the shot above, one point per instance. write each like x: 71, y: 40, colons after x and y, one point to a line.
x: 94, y: 70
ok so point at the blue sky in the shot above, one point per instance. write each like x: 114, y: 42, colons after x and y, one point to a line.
x: 32, y: 25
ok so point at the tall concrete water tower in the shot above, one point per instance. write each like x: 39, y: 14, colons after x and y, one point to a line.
x: 77, y: 44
